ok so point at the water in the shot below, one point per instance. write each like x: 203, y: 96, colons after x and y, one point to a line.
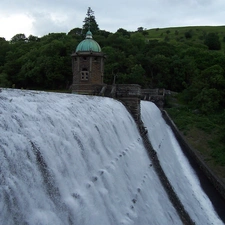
x: 177, y: 168
x: 70, y: 159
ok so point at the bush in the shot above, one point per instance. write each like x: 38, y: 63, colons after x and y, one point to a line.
x: 188, y: 34
x: 4, y: 82
x: 212, y: 41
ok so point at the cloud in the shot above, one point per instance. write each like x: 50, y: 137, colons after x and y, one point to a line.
x: 44, y: 23
x: 15, y: 24
x: 40, y: 17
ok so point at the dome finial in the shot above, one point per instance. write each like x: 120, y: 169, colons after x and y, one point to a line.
x: 89, y: 35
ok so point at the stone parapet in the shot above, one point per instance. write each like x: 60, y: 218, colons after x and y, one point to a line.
x: 86, y: 89
x: 156, y: 95
x: 128, y: 90
x: 130, y: 96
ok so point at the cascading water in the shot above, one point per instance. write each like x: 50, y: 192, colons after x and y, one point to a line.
x: 177, y: 168
x: 70, y: 159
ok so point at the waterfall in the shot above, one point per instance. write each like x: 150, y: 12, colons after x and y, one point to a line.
x: 177, y: 167
x: 71, y: 159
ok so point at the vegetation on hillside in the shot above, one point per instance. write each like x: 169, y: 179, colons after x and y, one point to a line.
x: 188, y: 60
x: 205, y: 132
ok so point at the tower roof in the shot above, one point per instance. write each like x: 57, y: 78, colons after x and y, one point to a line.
x: 88, y: 44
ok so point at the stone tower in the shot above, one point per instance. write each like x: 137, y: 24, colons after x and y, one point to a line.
x: 87, y: 66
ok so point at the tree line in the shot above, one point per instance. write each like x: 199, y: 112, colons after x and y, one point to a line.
x: 196, y: 70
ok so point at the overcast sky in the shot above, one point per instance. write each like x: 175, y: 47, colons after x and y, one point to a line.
x: 40, y: 17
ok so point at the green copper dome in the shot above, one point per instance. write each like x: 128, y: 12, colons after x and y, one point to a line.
x: 88, y: 44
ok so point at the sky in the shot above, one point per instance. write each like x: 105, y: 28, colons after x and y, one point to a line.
x: 41, y: 17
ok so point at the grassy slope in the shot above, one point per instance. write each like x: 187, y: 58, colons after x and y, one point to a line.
x: 177, y: 34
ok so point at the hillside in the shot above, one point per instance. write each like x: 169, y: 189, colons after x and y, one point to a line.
x: 136, y: 57
x: 193, y: 35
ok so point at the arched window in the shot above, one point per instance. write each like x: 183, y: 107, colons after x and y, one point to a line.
x: 84, y: 74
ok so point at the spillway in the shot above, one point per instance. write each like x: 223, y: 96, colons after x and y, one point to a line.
x: 176, y: 166
x: 71, y: 159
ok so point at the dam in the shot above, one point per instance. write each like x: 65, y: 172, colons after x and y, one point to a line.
x: 72, y: 159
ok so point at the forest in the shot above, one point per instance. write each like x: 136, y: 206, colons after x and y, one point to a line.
x: 189, y: 61
x: 135, y: 57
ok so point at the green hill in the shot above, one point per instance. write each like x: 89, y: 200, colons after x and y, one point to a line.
x: 184, y: 35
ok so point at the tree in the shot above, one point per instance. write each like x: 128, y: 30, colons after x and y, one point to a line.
x: 118, y: 41
x: 140, y: 29
x: 212, y: 41
x: 138, y: 40
x: 4, y: 82
x: 168, y: 31
x: 12, y: 63
x: 32, y: 38
x: 160, y: 48
x: 104, y: 33
x: 160, y: 71
x: 136, y: 75
x: 76, y: 33
x: 123, y: 32
x: 188, y: 34
x: 90, y: 22
x: 18, y: 38
x: 4, y: 48
x: 179, y: 71
x: 207, y: 100
x: 207, y: 90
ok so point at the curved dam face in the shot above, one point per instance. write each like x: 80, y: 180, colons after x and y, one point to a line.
x: 183, y: 178
x: 71, y: 159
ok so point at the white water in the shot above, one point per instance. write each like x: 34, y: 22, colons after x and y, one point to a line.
x: 177, y: 168
x: 69, y: 159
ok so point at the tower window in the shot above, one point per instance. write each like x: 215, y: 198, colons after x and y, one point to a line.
x: 84, y: 74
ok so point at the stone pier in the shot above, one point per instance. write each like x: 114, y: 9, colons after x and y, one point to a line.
x: 130, y: 96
